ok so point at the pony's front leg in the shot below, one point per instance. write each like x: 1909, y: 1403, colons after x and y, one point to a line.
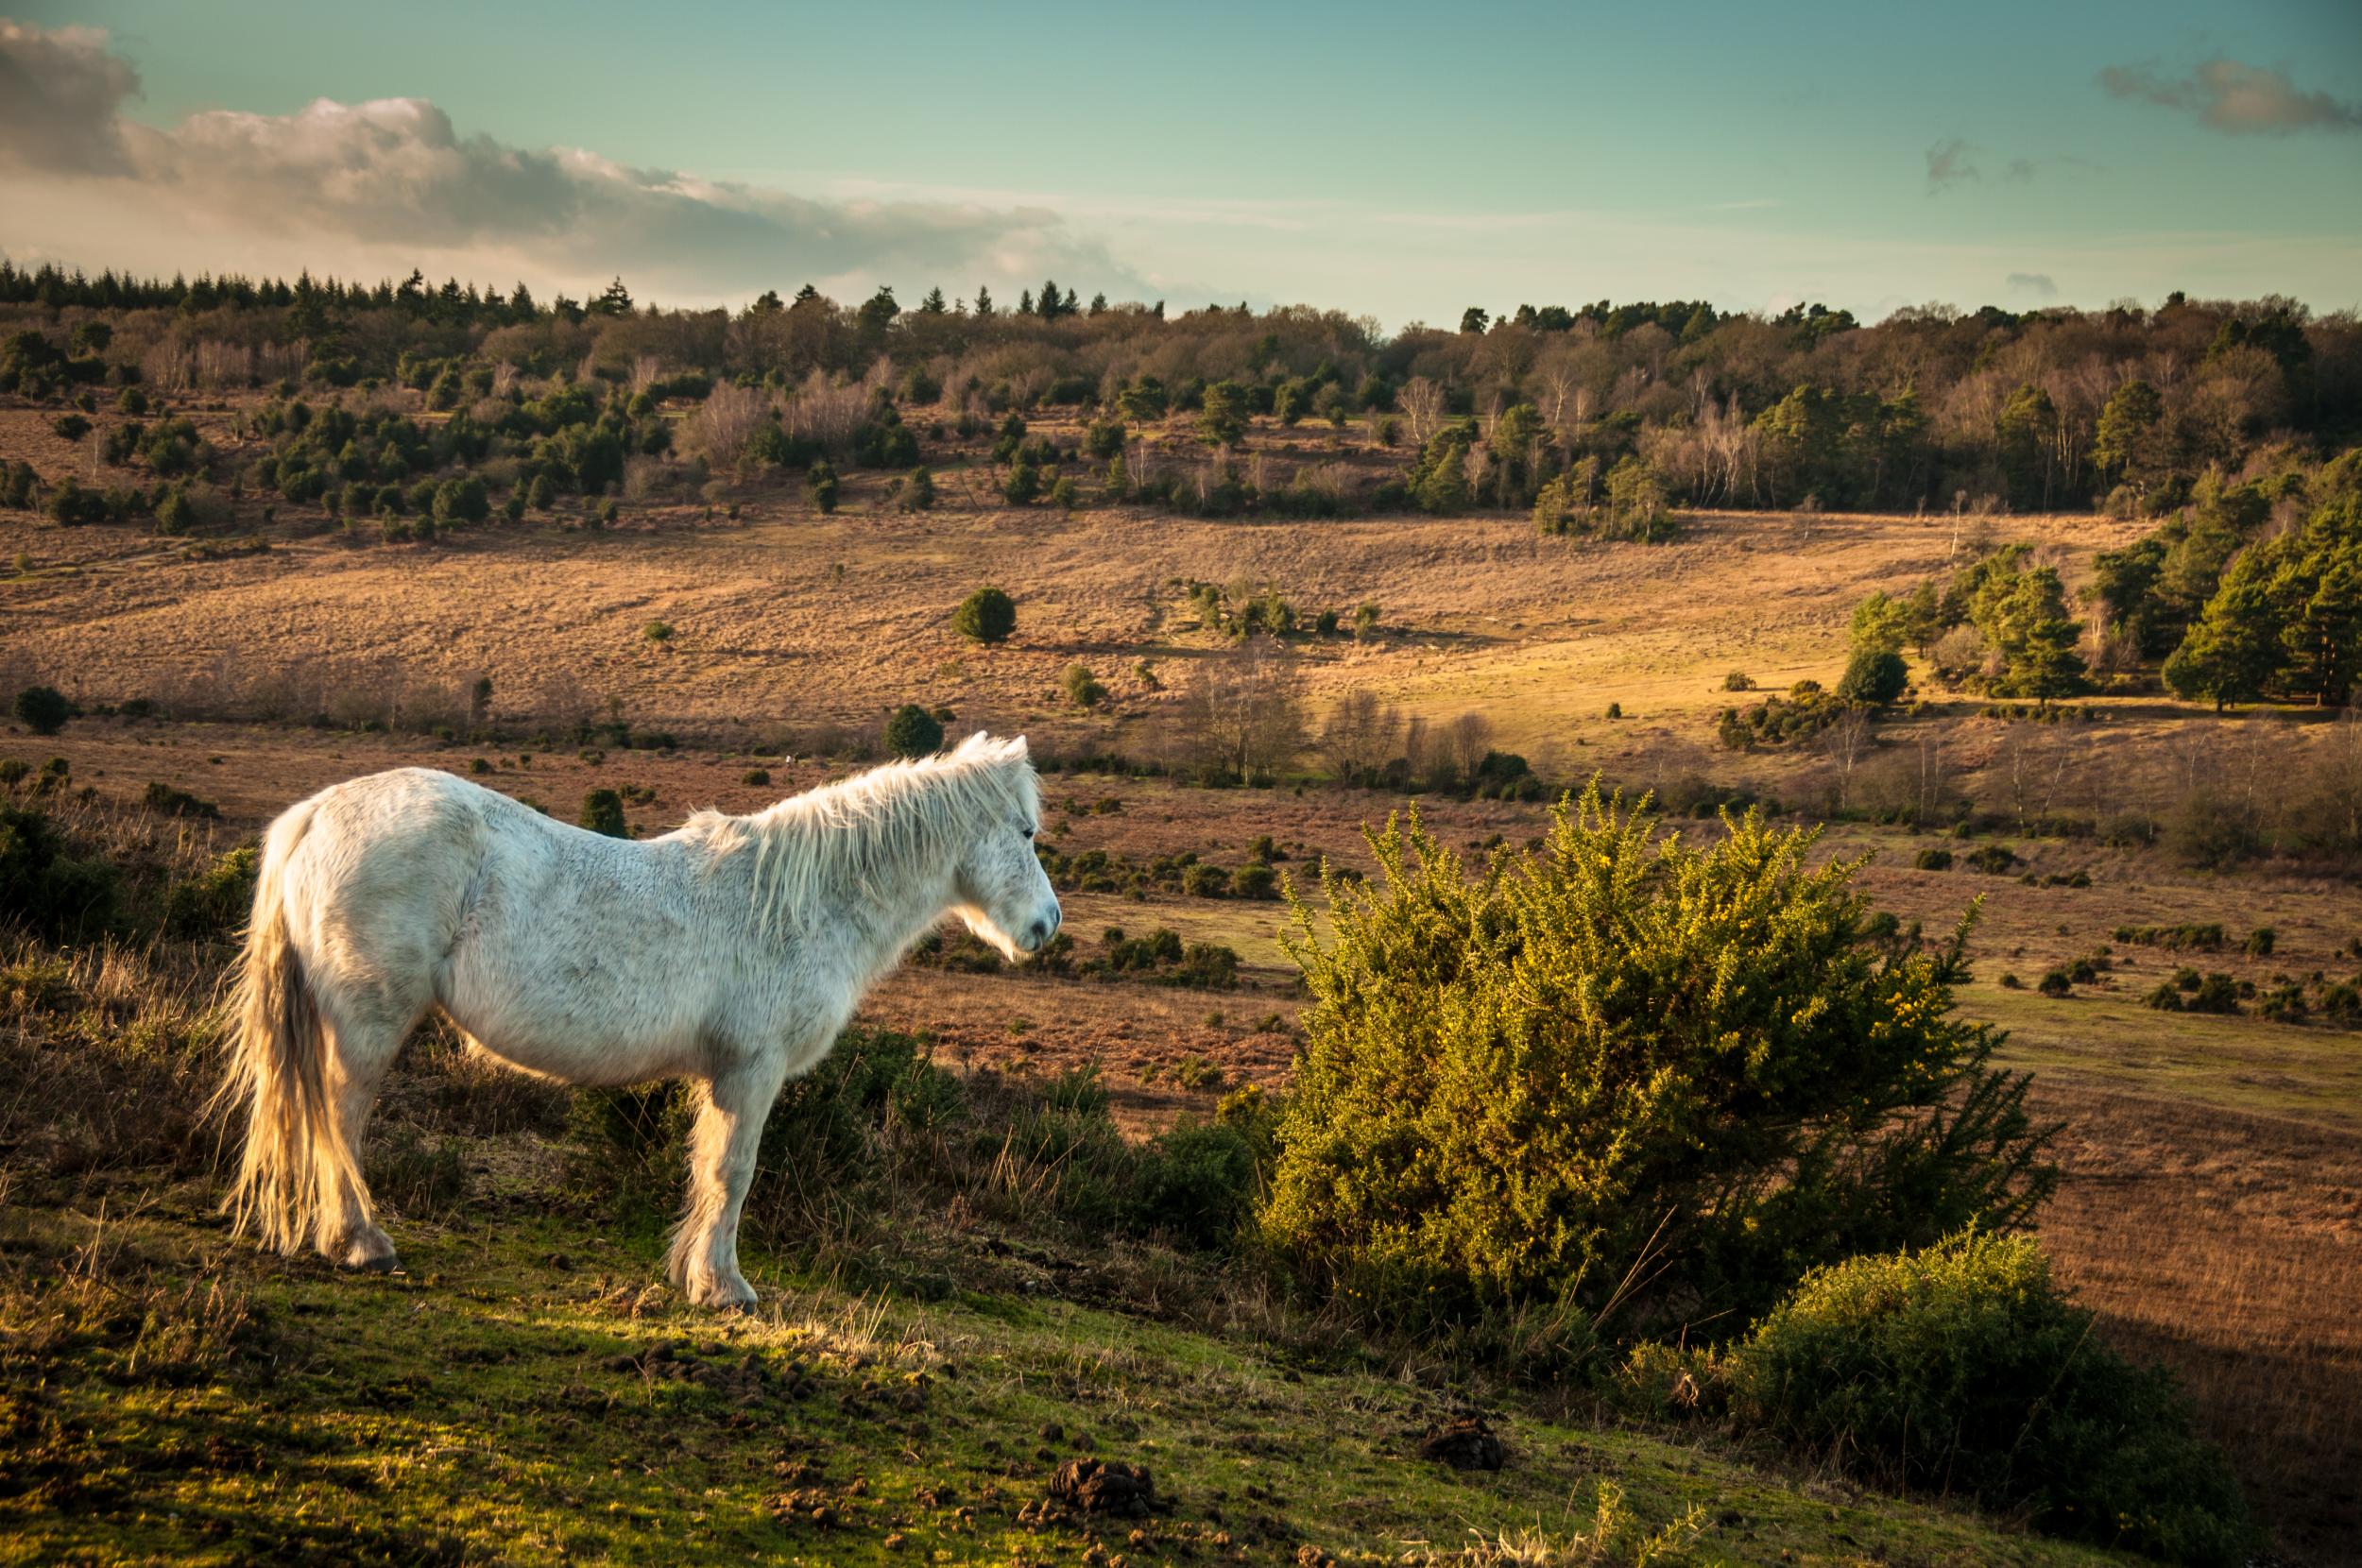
x: 722, y: 1147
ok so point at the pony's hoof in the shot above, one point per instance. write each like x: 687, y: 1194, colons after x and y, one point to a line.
x: 736, y: 1297
x: 372, y: 1252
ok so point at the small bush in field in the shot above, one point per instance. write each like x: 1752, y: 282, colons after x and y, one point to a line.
x: 42, y: 709
x: 1197, y: 1182
x: 1254, y: 880
x: 177, y: 803
x: 1934, y: 859
x: 755, y: 778
x: 912, y: 731
x: 2211, y: 831
x: 45, y: 886
x: 1994, y: 859
x: 1205, y: 881
x: 2216, y: 992
x: 2172, y: 938
x: 1964, y: 1368
x: 986, y: 616
x: 2260, y: 942
x: 214, y: 903
x: 603, y: 812
x: 1082, y: 689
x: 1739, y: 680
x: 1195, y: 1073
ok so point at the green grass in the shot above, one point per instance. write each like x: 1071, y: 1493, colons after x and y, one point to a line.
x: 479, y: 1408
x: 2308, y: 1072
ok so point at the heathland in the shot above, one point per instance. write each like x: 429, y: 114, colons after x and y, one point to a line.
x: 1274, y: 579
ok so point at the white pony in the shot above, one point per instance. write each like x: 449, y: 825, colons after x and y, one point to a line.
x: 730, y: 952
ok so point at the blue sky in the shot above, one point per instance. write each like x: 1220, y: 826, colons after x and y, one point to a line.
x: 1402, y: 161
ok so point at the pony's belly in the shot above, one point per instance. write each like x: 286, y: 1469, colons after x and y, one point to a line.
x: 589, y: 1035
x: 587, y: 1060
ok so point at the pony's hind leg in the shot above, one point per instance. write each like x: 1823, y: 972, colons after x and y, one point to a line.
x: 722, y: 1148
x: 359, y: 1052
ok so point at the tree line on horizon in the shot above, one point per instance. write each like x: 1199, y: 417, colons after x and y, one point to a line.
x: 2126, y: 408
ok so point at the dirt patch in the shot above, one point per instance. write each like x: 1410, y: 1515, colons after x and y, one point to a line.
x: 1107, y: 1487
x: 1463, y: 1443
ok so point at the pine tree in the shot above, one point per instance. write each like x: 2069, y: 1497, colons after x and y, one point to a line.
x: 614, y: 300
x: 2233, y: 651
x: 2322, y: 637
x: 2130, y: 442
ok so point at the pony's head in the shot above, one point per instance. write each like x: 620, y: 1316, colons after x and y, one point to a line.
x: 1004, y: 894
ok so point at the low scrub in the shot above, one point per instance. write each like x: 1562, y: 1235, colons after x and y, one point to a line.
x: 45, y: 885
x: 1160, y: 958
x: 1964, y: 1369
x: 1521, y: 1087
x: 2173, y: 939
x: 879, y: 1133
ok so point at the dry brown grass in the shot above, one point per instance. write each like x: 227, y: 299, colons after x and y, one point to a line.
x: 798, y: 617
x: 2229, y: 1247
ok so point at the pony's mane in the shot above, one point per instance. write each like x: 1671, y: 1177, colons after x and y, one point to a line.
x: 861, y: 829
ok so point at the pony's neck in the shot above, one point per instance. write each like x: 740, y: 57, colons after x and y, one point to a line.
x: 864, y: 875
x: 881, y: 918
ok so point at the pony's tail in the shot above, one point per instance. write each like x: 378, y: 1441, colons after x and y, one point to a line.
x: 294, y: 1155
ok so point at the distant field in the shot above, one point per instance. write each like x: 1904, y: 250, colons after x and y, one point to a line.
x: 789, y: 617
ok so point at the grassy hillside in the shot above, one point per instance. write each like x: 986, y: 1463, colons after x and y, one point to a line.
x: 524, y: 1393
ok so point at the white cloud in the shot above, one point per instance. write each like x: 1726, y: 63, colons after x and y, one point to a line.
x: 1951, y: 162
x: 2039, y: 284
x: 59, y: 93
x: 387, y: 181
x: 2236, y: 98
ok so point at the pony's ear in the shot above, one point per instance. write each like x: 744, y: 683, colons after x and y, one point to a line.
x: 1016, y: 748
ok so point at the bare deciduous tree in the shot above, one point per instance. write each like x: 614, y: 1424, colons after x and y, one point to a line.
x: 1847, y: 742
x: 1463, y: 743
x: 1423, y: 406
x: 725, y: 421
x: 1243, y: 718
x: 1360, y: 735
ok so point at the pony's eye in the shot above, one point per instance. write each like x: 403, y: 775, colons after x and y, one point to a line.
x: 1027, y: 832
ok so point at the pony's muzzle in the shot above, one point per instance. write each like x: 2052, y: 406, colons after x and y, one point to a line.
x: 1037, y: 935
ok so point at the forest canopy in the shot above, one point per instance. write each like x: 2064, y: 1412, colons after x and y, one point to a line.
x: 1933, y: 407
